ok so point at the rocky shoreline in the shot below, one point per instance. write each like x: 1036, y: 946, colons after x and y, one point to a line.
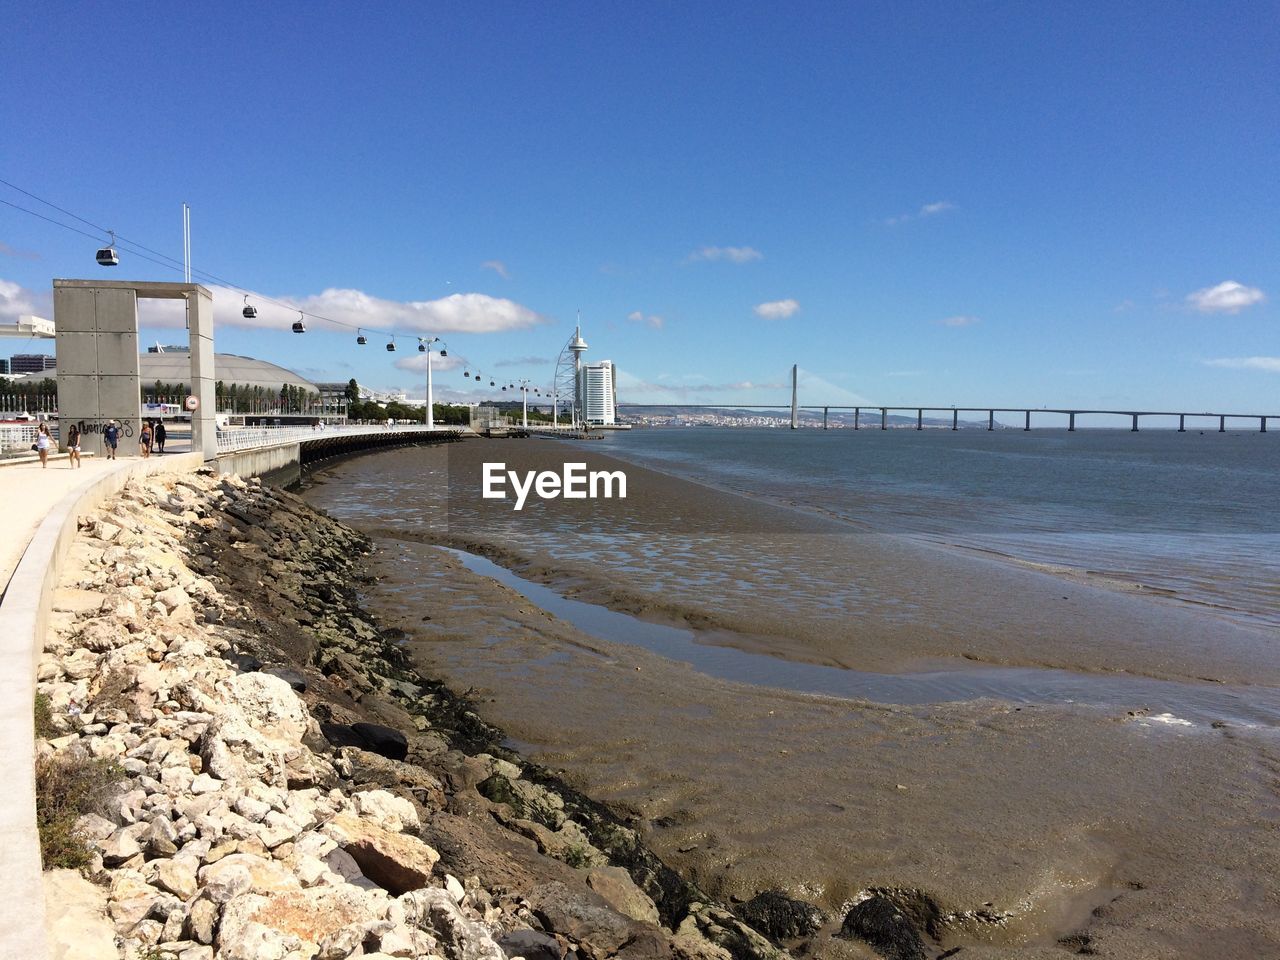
x: 283, y: 785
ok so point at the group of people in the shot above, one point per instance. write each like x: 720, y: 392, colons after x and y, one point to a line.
x: 152, y: 436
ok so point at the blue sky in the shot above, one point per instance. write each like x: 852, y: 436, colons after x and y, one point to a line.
x: 949, y: 203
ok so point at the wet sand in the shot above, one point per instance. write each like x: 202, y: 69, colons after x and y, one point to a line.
x: 1151, y: 839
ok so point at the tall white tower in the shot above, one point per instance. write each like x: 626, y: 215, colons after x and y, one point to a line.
x: 578, y: 346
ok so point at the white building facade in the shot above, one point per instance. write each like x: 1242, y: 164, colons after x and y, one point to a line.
x: 599, y: 394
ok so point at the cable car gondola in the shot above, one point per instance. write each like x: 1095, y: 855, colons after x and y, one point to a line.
x: 361, y: 339
x: 249, y: 311
x: 391, y: 346
x: 107, y: 255
x: 422, y: 347
x: 444, y: 353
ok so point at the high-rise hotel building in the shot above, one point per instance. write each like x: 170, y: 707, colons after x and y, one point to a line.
x: 599, y: 393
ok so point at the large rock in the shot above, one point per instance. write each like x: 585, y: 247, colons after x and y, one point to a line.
x: 242, y: 937
x: 397, y: 862
x: 583, y: 916
x: 240, y: 745
x: 618, y: 889
x: 298, y: 921
x: 384, y: 741
x: 386, y: 810
x: 531, y: 945
x: 721, y: 930
x: 266, y: 877
x: 460, y: 938
x: 780, y: 917
x: 270, y: 704
x: 178, y: 876
x: 76, y: 918
x: 879, y: 922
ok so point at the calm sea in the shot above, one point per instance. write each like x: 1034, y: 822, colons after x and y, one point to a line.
x: 1194, y: 514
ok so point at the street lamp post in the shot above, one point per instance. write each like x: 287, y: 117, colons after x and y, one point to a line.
x: 523, y: 387
x: 429, y: 414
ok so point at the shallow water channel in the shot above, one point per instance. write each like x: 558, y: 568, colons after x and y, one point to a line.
x: 1159, y: 701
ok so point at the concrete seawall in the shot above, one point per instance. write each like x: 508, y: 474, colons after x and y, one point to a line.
x: 24, y: 617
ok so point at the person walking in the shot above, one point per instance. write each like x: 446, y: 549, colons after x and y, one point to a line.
x: 111, y: 438
x: 43, y: 442
x: 144, y: 440
x: 160, y: 435
x: 73, y: 446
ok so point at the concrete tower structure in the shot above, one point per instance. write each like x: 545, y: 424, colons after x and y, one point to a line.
x: 577, y: 346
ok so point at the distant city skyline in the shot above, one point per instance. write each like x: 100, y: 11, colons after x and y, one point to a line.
x: 958, y: 204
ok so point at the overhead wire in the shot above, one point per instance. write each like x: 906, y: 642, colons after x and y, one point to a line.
x: 175, y: 264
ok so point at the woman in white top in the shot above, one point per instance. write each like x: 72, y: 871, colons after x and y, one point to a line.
x: 43, y: 443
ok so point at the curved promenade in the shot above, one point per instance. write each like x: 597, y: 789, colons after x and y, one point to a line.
x: 38, y: 522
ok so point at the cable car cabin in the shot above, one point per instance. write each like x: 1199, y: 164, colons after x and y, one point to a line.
x: 107, y: 257
x: 391, y: 347
x: 249, y: 312
x: 299, y: 327
x: 422, y: 348
x: 362, y: 340
x: 444, y: 353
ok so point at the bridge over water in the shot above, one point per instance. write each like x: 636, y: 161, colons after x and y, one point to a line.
x: 1069, y: 414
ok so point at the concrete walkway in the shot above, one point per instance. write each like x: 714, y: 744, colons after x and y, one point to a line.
x: 28, y: 492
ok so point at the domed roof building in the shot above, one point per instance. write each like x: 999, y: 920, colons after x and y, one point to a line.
x: 174, y: 366
x: 228, y: 368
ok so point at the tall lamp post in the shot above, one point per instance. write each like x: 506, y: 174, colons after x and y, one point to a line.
x: 524, y: 388
x: 424, y: 346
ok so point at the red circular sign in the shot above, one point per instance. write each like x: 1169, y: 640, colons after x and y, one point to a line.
x: 191, y: 403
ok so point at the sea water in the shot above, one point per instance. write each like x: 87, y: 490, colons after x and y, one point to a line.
x: 1197, y: 515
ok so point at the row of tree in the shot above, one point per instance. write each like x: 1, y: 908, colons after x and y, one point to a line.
x: 29, y: 396
x: 41, y: 396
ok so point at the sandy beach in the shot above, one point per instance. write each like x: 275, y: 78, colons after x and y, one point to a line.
x: 1108, y: 830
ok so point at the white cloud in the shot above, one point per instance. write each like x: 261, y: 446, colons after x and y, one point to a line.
x: 1227, y: 297
x: 927, y: 210
x: 651, y: 320
x: 1269, y: 364
x: 731, y: 254
x: 417, y: 362
x: 959, y: 321
x: 15, y: 300
x: 776, y: 309
x: 9, y: 251
x: 456, y: 313
x: 525, y: 362
x: 498, y: 267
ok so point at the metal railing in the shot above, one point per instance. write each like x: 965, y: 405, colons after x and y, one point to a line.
x: 234, y: 439
x: 17, y: 437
